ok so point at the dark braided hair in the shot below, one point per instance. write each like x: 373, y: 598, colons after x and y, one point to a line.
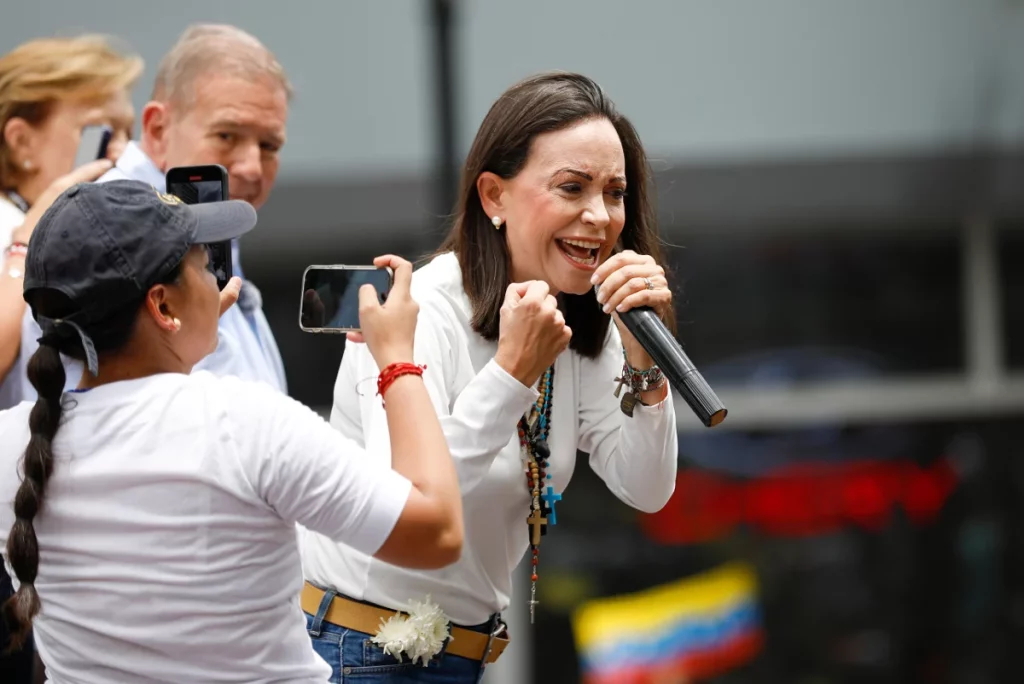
x: 47, y: 375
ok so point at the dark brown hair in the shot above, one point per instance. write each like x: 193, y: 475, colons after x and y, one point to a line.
x: 46, y: 373
x: 541, y: 104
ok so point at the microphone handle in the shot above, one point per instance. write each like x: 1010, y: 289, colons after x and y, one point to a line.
x: 682, y: 375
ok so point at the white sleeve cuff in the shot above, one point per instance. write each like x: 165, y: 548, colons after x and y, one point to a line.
x: 654, y: 409
x: 510, y: 397
x: 386, y: 503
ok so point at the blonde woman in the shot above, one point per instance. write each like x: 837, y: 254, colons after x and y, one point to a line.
x: 50, y: 89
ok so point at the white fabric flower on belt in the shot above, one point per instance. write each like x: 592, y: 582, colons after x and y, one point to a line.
x: 420, y: 635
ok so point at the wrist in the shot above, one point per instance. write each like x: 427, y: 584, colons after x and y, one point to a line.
x: 391, y: 357
x: 637, y: 357
x: 524, y: 376
x: 648, y: 382
x: 392, y: 373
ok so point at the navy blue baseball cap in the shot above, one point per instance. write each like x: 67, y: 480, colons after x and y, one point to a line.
x: 103, y: 245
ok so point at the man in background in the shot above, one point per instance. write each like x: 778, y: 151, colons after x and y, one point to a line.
x: 220, y: 97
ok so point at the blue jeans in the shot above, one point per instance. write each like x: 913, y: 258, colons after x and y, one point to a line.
x: 354, y: 658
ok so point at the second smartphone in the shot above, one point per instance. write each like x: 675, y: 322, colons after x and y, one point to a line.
x: 198, y: 185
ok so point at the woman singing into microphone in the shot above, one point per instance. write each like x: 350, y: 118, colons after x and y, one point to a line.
x: 523, y: 359
x: 152, y: 513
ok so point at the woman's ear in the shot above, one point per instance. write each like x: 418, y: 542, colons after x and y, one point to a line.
x: 160, y: 309
x: 18, y: 137
x: 491, y: 188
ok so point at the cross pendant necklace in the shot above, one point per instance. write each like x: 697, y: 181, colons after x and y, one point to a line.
x: 533, y: 433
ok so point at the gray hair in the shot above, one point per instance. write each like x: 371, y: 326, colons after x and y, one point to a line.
x: 222, y: 48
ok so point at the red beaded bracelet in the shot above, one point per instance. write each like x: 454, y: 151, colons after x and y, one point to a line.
x: 392, y: 373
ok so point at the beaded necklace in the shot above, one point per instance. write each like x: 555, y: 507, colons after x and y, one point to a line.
x: 533, y: 438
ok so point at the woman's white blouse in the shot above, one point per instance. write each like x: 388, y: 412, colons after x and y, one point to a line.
x: 480, y: 405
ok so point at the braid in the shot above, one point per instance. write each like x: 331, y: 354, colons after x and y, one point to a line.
x: 46, y: 372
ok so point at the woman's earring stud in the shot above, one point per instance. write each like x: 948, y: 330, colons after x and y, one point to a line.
x: 496, y: 220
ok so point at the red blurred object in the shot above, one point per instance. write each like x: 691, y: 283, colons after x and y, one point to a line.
x: 802, y: 500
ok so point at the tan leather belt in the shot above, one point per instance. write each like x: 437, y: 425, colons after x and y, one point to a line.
x: 365, y: 618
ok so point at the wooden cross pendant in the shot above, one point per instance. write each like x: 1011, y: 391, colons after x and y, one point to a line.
x: 622, y: 382
x: 537, y: 523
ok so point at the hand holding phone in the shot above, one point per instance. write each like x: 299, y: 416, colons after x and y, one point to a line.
x: 388, y: 329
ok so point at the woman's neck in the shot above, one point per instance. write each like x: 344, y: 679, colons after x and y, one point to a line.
x: 521, y: 276
x: 30, y: 190
x: 128, y: 367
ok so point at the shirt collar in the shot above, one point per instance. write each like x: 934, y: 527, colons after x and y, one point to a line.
x: 136, y: 164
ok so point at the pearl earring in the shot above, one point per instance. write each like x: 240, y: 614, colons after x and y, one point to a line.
x: 496, y: 220
x: 177, y: 324
x: 27, y: 165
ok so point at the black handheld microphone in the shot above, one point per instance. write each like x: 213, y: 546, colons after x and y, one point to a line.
x: 655, y: 338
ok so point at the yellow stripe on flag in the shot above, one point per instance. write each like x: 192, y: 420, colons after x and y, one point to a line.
x: 654, y: 610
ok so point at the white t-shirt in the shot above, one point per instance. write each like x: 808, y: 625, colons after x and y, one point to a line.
x: 479, y: 405
x: 10, y: 218
x: 168, y: 539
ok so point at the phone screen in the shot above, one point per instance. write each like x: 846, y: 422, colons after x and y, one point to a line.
x: 330, y: 295
x: 92, y: 145
x: 201, y: 192
x: 197, y: 192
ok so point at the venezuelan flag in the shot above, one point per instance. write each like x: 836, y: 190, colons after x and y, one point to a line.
x: 690, y: 629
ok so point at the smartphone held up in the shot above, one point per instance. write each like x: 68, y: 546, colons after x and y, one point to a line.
x: 93, y: 144
x: 198, y: 185
x: 330, y: 296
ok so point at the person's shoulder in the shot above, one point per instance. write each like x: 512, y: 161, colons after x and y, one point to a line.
x: 112, y: 175
x: 238, y: 395
x: 442, y: 272
x: 10, y: 218
x: 227, y: 384
x: 14, y: 423
x: 14, y: 416
x: 437, y: 287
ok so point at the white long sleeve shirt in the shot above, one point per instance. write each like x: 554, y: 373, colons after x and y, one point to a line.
x: 480, y: 405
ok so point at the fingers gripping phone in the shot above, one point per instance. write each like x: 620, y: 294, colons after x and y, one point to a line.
x: 93, y: 144
x: 330, y: 296
x: 198, y: 185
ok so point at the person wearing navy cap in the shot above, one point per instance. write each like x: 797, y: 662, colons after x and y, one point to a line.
x: 149, y: 516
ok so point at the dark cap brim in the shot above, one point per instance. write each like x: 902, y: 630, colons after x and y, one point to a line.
x: 221, y: 221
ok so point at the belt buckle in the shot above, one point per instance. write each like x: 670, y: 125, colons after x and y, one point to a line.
x: 497, y: 629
